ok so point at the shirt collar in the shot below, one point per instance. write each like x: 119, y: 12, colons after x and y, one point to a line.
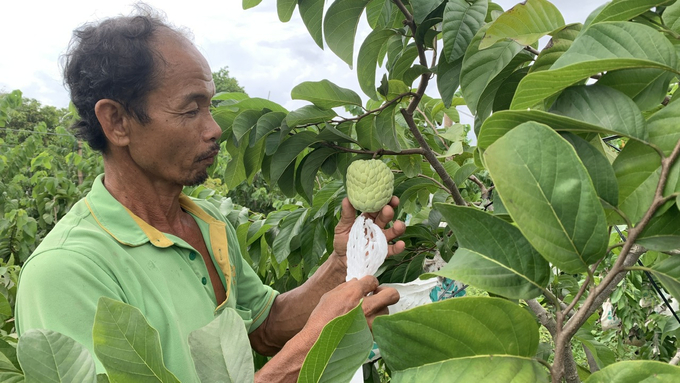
x: 126, y: 227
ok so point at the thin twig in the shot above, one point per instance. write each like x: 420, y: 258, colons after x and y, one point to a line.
x: 375, y: 153
x: 413, y: 104
x: 583, y: 288
x: 531, y: 49
x: 434, y: 128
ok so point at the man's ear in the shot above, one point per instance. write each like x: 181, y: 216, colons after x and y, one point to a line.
x: 113, y: 119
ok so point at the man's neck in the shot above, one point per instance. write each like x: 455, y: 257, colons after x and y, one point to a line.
x: 153, y: 200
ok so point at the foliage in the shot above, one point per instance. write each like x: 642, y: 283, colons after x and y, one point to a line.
x: 225, y: 83
x: 541, y: 161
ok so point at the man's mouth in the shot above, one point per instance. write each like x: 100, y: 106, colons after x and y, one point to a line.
x: 209, y: 155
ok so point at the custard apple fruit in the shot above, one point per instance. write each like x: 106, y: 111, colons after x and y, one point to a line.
x: 370, y: 184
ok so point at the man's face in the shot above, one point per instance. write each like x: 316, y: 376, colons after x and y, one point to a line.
x: 180, y: 141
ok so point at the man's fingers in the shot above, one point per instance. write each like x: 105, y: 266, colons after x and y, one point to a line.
x: 347, y: 216
x: 377, y: 303
x: 397, y: 248
x: 368, y: 284
x: 395, y: 231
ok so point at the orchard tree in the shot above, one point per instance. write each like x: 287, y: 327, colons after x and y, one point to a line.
x: 530, y: 212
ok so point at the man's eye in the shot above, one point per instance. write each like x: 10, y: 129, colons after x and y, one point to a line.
x: 192, y: 113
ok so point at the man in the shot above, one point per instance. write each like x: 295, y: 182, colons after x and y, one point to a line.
x: 143, y: 92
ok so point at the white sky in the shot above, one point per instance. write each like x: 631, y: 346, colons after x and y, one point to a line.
x: 267, y: 57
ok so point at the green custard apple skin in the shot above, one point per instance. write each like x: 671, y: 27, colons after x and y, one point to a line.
x: 370, y: 184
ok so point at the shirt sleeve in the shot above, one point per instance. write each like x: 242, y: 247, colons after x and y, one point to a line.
x: 251, y: 293
x: 58, y: 291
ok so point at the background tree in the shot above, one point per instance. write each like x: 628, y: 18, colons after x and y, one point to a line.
x: 226, y: 83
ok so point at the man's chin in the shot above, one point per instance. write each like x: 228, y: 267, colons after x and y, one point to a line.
x: 198, y: 179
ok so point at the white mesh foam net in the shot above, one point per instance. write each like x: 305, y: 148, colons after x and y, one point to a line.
x: 366, y: 248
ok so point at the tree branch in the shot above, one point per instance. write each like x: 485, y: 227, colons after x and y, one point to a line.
x: 375, y: 153
x: 408, y: 115
x: 629, y: 255
x: 543, y: 316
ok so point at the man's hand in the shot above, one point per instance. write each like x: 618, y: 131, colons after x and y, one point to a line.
x: 381, y: 218
x: 346, y: 296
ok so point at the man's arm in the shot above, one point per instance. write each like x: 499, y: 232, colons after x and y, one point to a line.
x: 285, y: 366
x: 293, y: 310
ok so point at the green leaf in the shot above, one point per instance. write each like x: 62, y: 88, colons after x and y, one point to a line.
x: 492, y: 368
x: 636, y: 371
x: 367, y: 134
x: 218, y: 350
x: 247, y: 4
x: 647, y: 87
x: 560, y: 43
x: 368, y: 59
x: 602, y: 106
x: 488, y: 97
x: 11, y: 377
x: 448, y: 79
x: 311, y: 12
x: 308, y: 168
x: 479, y: 326
x: 330, y: 133
x: 340, y: 27
x: 386, y: 129
x: 461, y: 22
x: 464, y: 172
x: 235, y: 172
x: 410, y: 165
x: 668, y: 272
x: 127, y: 346
x: 48, y: 356
x: 288, y: 152
x: 601, y: 48
x: 493, y: 255
x: 662, y: 233
x: 325, y: 94
x: 342, y: 347
x: 403, y: 63
x: 637, y: 169
x: 8, y: 357
x: 524, y: 23
x: 602, y: 354
x: 313, y: 244
x: 245, y: 122
x: 548, y: 193
x: 257, y: 104
x: 671, y: 17
x: 482, y: 66
x: 267, y: 123
x: 664, y: 128
x: 422, y: 8
x: 598, y: 167
x: 288, y: 229
x: 285, y: 9
x: 5, y: 308
x: 503, y: 121
x: 623, y: 10
x: 309, y: 114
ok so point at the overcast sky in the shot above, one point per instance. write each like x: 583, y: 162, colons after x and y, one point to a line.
x: 267, y: 57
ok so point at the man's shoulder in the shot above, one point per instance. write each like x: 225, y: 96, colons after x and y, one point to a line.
x: 77, y: 231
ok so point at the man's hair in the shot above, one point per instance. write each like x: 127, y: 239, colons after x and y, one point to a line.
x: 115, y: 59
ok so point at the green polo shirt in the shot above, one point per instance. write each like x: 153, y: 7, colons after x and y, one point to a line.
x: 100, y: 248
